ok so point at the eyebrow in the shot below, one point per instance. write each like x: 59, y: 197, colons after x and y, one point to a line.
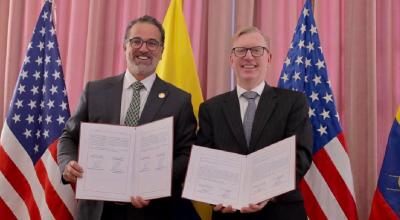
x: 143, y: 38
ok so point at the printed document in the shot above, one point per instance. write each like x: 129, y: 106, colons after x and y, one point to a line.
x: 120, y: 161
x: 220, y: 177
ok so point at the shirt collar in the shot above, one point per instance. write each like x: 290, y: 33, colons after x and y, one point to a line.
x: 258, y: 89
x: 147, y: 82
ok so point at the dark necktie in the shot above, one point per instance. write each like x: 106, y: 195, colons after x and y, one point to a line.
x: 248, y: 119
x: 132, y: 115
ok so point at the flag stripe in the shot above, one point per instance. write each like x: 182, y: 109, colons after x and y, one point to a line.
x: 380, y: 209
x: 322, y: 193
x: 312, y: 207
x: 13, y: 203
x: 52, y: 149
x: 19, y: 183
x: 398, y: 116
x: 342, y: 141
x: 341, y: 162
x: 335, y: 181
x: 6, y: 213
x: 54, y: 176
x: 23, y: 165
x: 56, y: 205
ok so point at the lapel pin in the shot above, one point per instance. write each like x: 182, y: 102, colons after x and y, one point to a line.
x: 161, y: 95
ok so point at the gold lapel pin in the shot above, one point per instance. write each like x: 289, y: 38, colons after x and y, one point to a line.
x: 161, y: 95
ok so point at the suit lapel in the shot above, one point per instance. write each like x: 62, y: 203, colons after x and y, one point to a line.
x: 264, y: 111
x: 231, y: 110
x: 154, y: 102
x: 115, y: 95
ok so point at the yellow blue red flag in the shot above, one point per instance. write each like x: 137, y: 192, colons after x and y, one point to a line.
x: 177, y: 65
x: 386, y: 202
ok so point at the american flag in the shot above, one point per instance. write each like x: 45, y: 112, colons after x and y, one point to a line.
x: 327, y: 187
x: 30, y: 181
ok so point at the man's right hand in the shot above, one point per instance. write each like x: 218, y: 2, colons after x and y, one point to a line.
x: 223, y: 209
x: 72, y: 171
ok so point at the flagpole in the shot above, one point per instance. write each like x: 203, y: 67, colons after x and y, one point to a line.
x: 313, y: 5
x: 53, y: 13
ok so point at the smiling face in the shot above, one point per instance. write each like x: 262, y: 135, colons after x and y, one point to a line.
x: 142, y: 62
x: 250, y: 71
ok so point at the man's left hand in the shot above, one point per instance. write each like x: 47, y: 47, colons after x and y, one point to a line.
x: 139, y: 202
x: 254, y: 207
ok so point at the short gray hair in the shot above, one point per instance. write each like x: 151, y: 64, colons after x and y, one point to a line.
x: 149, y: 20
x: 250, y: 29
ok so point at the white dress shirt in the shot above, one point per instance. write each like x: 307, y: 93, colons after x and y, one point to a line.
x: 243, y: 101
x: 127, y: 92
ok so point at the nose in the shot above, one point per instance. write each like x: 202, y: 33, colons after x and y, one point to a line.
x: 143, y: 47
x: 248, y: 55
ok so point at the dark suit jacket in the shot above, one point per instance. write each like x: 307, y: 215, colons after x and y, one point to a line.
x: 280, y: 114
x: 101, y: 103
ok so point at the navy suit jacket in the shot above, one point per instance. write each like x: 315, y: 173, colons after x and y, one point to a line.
x: 280, y: 114
x: 101, y: 103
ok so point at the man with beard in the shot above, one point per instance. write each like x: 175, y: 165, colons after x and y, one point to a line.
x: 108, y: 101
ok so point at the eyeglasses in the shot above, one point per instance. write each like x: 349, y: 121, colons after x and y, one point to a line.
x: 137, y: 42
x: 255, y: 51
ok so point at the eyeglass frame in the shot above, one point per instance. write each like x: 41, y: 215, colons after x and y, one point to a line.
x: 142, y: 42
x: 251, y: 51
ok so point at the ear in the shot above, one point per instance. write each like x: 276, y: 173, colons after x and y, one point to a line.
x: 161, y: 53
x: 124, y: 47
x: 231, y: 59
x: 269, y: 57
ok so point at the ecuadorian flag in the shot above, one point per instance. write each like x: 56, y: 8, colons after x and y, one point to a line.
x: 386, y: 202
x: 178, y: 67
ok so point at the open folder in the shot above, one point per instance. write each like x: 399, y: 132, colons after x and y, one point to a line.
x: 220, y: 177
x: 120, y: 162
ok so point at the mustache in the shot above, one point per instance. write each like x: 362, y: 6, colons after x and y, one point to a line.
x: 140, y: 53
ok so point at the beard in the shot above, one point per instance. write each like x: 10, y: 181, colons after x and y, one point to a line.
x: 142, y: 63
x: 141, y: 71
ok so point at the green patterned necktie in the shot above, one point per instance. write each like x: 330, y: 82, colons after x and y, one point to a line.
x: 132, y: 115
